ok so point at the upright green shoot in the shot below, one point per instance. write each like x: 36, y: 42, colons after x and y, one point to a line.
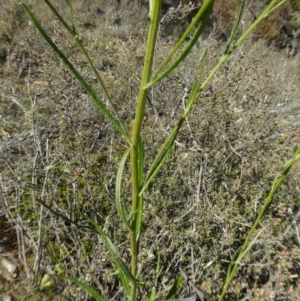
x: 135, y: 154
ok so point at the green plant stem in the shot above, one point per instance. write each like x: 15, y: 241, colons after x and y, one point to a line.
x: 134, y: 156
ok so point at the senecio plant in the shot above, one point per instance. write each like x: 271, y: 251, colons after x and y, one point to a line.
x: 132, y: 217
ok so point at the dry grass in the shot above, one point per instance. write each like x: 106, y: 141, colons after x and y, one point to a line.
x: 56, y: 148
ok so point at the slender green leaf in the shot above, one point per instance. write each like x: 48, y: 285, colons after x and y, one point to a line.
x: 71, y: 15
x: 120, y: 202
x: 235, y: 27
x: 123, y: 270
x: 140, y: 162
x: 244, y: 252
x: 60, y: 18
x: 81, y: 47
x: 275, y: 7
x: 175, y: 287
x: 232, y: 261
x: 225, y: 56
x: 162, y: 155
x: 167, y: 146
x: 207, y: 5
x: 187, y: 48
x: 86, y: 287
x: 76, y: 74
x: 196, y: 90
x: 272, y: 5
x: 286, y: 168
x: 153, y: 294
x: 240, y: 254
x: 140, y: 208
x: 276, y: 184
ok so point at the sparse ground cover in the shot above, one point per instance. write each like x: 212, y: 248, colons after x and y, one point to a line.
x: 56, y: 148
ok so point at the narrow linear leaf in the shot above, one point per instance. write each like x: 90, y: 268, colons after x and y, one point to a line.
x: 276, y: 184
x: 120, y: 202
x: 71, y: 15
x: 275, y: 7
x: 196, y: 86
x: 272, y: 5
x: 123, y: 270
x: 81, y: 47
x: 60, y: 18
x: 167, y: 146
x: 86, y: 287
x: 175, y: 287
x: 203, y: 10
x: 240, y: 254
x: 252, y: 242
x: 141, y: 161
x: 286, y: 168
x: 225, y: 56
x: 235, y: 27
x: 75, y: 73
x: 186, y: 49
x: 140, y: 207
x: 162, y: 155
x: 231, y: 264
x: 153, y: 294
x: 247, y: 244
